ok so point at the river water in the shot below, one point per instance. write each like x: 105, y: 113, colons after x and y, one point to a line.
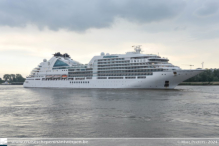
x: 187, y: 111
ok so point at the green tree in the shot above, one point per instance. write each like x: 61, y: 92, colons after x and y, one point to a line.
x: 216, y: 78
x: 206, y: 76
x: 13, y: 79
x: 19, y: 78
x: 216, y: 74
x: 1, y: 81
x: 6, y: 77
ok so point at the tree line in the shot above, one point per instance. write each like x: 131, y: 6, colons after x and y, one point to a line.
x: 206, y: 76
x: 12, y: 78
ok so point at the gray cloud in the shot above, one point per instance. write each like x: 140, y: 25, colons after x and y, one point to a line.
x: 79, y: 15
x: 178, y: 28
x: 208, y: 9
x: 211, y: 34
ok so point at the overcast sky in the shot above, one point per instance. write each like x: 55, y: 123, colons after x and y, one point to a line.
x: 185, y: 31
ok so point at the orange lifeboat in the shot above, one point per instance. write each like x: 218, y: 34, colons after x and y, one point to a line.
x: 64, y: 76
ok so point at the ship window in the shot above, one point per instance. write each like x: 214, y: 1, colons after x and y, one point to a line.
x: 60, y: 63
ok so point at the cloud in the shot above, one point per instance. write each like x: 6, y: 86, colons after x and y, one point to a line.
x: 208, y: 9
x: 211, y: 34
x: 178, y: 28
x: 80, y: 15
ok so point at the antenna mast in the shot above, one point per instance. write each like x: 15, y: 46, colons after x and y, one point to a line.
x: 202, y: 65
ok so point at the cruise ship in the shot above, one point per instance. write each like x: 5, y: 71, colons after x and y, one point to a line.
x: 129, y: 70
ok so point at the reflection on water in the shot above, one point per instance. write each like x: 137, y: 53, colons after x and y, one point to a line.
x: 187, y: 111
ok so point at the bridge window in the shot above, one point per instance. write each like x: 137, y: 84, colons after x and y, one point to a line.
x: 60, y: 63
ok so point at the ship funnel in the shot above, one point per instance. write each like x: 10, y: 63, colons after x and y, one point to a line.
x: 137, y: 49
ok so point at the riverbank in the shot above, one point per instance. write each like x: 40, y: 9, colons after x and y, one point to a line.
x: 14, y: 83
x: 199, y: 83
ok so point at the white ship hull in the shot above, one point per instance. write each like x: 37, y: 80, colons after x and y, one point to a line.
x: 155, y: 81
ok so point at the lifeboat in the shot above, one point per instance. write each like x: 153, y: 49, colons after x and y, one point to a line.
x: 56, y: 76
x: 64, y: 76
x: 48, y: 76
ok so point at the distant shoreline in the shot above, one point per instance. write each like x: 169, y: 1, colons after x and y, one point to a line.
x: 14, y: 83
x: 199, y: 83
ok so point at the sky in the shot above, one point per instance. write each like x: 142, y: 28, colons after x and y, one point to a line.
x: 184, y: 31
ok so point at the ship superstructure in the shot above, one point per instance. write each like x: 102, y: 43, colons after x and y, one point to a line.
x: 130, y: 70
